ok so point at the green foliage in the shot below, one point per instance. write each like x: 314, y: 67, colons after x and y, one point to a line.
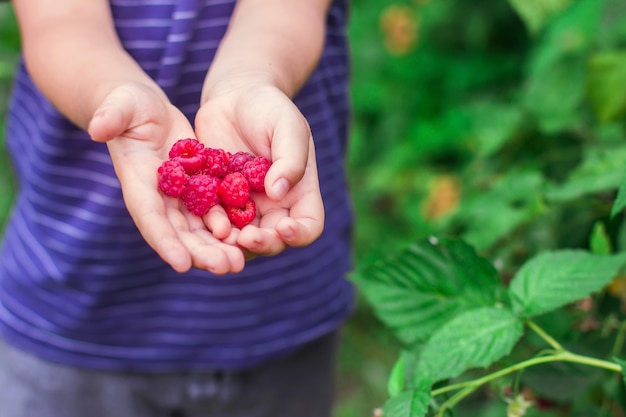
x: 525, y: 123
x: 475, y: 338
x: 536, y: 12
x: 600, y: 241
x: 553, y: 279
x: 428, y: 284
x: 474, y: 335
x: 607, y: 70
x: 620, y: 202
x: 9, y: 47
x: 502, y: 128
x: 407, y: 404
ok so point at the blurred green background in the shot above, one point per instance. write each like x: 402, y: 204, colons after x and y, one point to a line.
x: 9, y: 47
x: 501, y: 122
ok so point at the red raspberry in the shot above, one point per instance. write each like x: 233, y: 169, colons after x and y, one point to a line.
x: 255, y: 171
x: 241, y: 216
x: 172, y: 178
x: 201, y: 194
x: 216, y: 163
x: 189, y: 153
x: 238, y: 160
x: 202, y: 177
x: 234, y: 190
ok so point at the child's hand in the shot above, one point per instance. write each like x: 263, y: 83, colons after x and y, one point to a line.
x: 261, y: 119
x: 139, y: 126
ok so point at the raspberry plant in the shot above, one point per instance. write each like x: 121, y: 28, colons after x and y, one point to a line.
x: 453, y: 313
x: 522, y: 163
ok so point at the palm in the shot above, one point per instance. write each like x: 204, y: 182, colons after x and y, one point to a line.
x: 265, y: 122
x: 138, y: 147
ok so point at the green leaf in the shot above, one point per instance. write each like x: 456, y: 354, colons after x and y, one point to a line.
x: 554, y: 95
x: 402, y: 374
x: 418, y: 290
x: 555, y: 88
x: 493, y: 124
x: 535, y: 13
x: 395, y: 384
x: 413, y: 403
x: 553, y: 279
x: 570, y: 34
x: 620, y: 201
x: 473, y: 339
x: 600, y: 242
x: 607, y: 70
x: 501, y: 207
x: 601, y: 170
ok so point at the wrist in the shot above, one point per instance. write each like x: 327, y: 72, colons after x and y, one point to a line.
x: 271, y: 42
x: 219, y: 84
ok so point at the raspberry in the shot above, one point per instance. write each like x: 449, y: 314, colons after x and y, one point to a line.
x: 172, y: 178
x: 202, y: 177
x: 241, y: 216
x: 238, y: 160
x: 255, y: 171
x: 201, y: 194
x: 189, y: 153
x: 234, y: 190
x: 216, y: 162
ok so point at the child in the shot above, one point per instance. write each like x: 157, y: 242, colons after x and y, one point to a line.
x: 116, y: 301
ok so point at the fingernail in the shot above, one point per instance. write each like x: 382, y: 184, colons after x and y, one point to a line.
x: 288, y: 235
x: 99, y: 113
x: 280, y: 188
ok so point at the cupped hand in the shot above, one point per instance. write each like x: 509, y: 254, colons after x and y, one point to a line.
x: 139, y: 125
x: 261, y: 119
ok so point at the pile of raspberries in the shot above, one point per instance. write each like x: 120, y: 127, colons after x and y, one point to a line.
x: 202, y: 177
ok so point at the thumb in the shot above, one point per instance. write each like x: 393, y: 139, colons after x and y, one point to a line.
x: 290, y: 155
x: 114, y: 115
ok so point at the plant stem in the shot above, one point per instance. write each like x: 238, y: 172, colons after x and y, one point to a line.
x: 562, y: 356
x: 455, y: 399
x: 559, y: 355
x: 567, y: 356
x: 545, y: 336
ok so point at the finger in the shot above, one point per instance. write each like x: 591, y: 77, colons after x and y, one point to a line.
x: 217, y: 222
x: 232, y: 240
x: 206, y: 251
x: 299, y: 232
x: 211, y: 254
x: 290, y: 153
x: 156, y: 227
x: 260, y: 241
x: 260, y: 237
x: 305, y: 222
x: 114, y: 116
x: 149, y: 210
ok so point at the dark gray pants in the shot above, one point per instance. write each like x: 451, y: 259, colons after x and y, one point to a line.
x: 301, y: 385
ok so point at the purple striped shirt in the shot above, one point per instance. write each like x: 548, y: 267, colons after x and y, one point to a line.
x: 79, y: 285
